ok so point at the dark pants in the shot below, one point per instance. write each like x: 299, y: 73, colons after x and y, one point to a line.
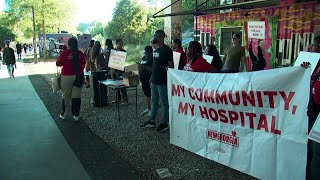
x: 313, y: 171
x: 313, y: 156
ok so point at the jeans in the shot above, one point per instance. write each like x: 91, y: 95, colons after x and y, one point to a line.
x: 159, y: 91
x: 10, y: 69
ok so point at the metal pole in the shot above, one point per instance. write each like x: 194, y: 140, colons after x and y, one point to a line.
x: 34, y: 36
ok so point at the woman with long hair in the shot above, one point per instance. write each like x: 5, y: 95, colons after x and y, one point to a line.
x: 72, y: 62
x: 177, y: 47
x: 196, y: 62
x: 107, y: 51
x: 216, y: 62
x: 97, y: 56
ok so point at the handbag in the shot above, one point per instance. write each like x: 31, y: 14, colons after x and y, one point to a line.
x: 79, y: 81
x: 56, y: 81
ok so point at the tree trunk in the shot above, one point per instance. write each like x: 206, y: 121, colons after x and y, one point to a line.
x: 44, y: 33
x: 34, y: 36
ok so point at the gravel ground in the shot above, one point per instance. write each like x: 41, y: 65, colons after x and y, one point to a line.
x: 146, y: 150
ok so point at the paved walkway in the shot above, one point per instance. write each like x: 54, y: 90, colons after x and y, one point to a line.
x: 31, y: 145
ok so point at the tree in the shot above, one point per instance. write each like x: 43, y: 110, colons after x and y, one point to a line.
x: 187, y: 5
x: 153, y: 25
x: 97, y: 29
x: 84, y: 28
x: 5, y: 34
x: 56, y: 13
x: 129, y: 22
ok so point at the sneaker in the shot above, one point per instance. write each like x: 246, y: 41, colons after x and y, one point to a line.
x: 148, y: 124
x: 149, y: 114
x: 145, y: 112
x: 114, y: 101
x: 162, y: 127
x: 76, y: 118
x: 124, y: 102
x: 62, y: 117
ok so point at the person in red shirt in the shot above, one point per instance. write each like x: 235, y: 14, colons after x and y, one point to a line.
x: 196, y: 62
x: 176, y: 46
x: 313, y: 156
x: 72, y: 62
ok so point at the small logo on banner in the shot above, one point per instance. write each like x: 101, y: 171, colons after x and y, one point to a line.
x: 230, y: 139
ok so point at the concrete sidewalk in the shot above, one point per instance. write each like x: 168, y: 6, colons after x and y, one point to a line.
x: 31, y: 145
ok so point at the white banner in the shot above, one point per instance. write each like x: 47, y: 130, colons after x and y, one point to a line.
x: 117, y: 60
x: 254, y: 122
x: 256, y: 29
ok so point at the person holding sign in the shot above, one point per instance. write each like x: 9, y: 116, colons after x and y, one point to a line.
x: 176, y: 46
x: 162, y: 59
x: 115, y: 74
x: 259, y: 63
x: 196, y: 63
x: 234, y: 59
x: 313, y: 157
x: 216, y: 62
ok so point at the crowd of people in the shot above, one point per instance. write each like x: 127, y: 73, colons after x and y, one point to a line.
x: 157, y: 58
x: 19, y: 47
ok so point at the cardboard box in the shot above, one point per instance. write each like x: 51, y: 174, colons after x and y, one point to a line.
x: 131, y: 78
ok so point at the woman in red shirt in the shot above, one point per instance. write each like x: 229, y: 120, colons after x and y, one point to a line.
x: 72, y: 62
x: 196, y: 62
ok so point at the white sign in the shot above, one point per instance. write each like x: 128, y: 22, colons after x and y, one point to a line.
x: 117, y: 60
x: 311, y: 57
x: 253, y: 122
x: 176, y: 59
x: 256, y: 29
x: 315, y: 131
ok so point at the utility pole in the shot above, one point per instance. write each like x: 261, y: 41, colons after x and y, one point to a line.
x: 34, y: 36
x: 44, y: 32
